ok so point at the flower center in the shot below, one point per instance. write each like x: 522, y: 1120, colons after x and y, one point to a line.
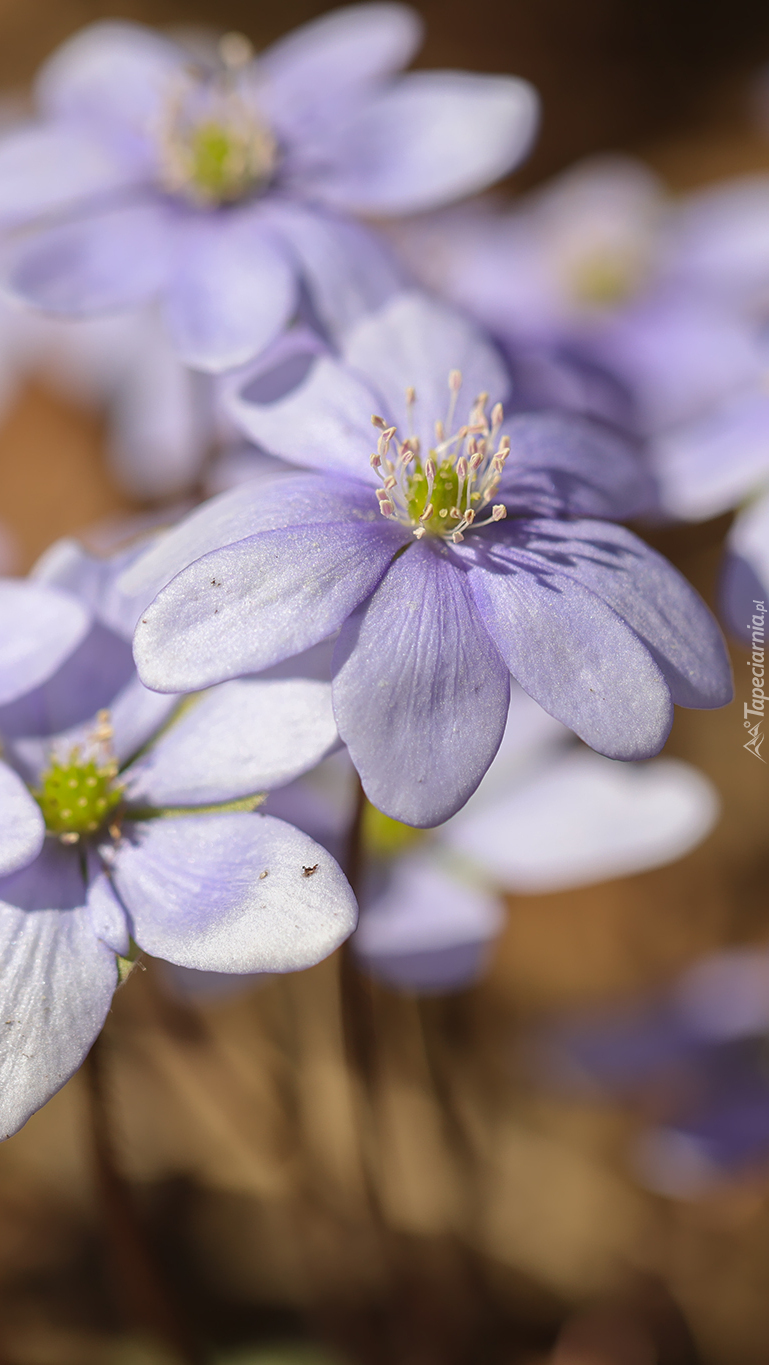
x: 214, y: 147
x: 443, y: 495
x: 78, y: 795
x: 605, y: 278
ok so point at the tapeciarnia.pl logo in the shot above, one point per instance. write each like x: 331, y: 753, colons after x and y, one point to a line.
x: 758, y: 702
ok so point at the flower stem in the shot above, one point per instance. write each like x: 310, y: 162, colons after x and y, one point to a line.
x: 141, y: 1291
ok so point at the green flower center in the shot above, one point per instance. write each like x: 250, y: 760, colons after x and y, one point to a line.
x: 445, y: 495
x: 221, y: 163
x: 77, y: 797
x: 605, y: 279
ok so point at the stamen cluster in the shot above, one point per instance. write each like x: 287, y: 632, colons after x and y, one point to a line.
x: 78, y: 796
x: 443, y: 495
x: 214, y: 148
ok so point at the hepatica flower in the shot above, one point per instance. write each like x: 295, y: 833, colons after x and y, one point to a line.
x: 219, y: 183
x: 129, y: 816
x: 461, y: 550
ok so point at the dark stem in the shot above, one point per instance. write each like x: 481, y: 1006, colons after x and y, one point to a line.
x: 141, y: 1292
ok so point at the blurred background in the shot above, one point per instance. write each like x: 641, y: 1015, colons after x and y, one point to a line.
x: 447, y: 1208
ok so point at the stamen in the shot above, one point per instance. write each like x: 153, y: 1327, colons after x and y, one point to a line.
x: 378, y: 422
x: 235, y: 51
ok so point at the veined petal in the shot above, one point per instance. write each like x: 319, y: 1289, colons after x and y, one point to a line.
x: 114, y: 76
x: 58, y: 982
x: 47, y: 170
x: 111, y: 259
x: 581, y: 818
x: 231, y: 290
x: 317, y: 72
x: 240, y: 609
x: 420, y: 692
x: 39, y: 627
x: 569, y: 650
x: 646, y: 592
x: 432, y: 137
x: 196, y: 894
x: 564, y: 465
x: 244, y: 736
x: 240, y: 512
x: 22, y: 829
x: 415, y: 341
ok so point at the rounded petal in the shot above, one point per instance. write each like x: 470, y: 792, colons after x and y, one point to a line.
x: 432, y: 137
x: 420, y: 692
x: 706, y: 466
x: 580, y: 818
x: 88, y: 680
x: 39, y: 628
x: 114, y: 76
x: 564, y: 465
x: 232, y: 289
x: 319, y: 70
x: 428, y: 931
x: 243, y: 608
x: 242, y: 737
x: 111, y: 259
x: 58, y: 982
x: 718, y: 242
x: 46, y: 170
x: 22, y: 829
x: 570, y: 651
x: 415, y: 342
x: 196, y: 893
x: 646, y: 592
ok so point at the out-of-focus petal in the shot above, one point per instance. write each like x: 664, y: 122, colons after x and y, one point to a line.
x: 581, y: 818
x: 88, y: 680
x: 244, y: 736
x: 420, y: 692
x: 706, y: 466
x: 39, y: 627
x: 745, y: 574
x: 718, y: 242
x: 196, y: 894
x: 324, y: 67
x: 432, y: 137
x: 58, y: 982
x: 22, y: 829
x: 48, y: 170
x: 240, y: 609
x: 231, y: 291
x: 113, y: 259
x: 428, y: 931
x: 725, y: 996
x: 564, y: 465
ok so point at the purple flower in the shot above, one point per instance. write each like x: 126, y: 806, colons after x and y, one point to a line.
x: 213, y: 182
x: 461, y: 551
x: 128, y: 815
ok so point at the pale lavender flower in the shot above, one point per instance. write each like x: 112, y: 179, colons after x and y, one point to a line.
x: 128, y: 816
x: 219, y: 186
x: 464, y: 549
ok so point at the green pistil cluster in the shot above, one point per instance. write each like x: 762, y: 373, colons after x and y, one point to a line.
x: 222, y: 164
x: 444, y: 499
x: 77, y: 797
x: 384, y: 837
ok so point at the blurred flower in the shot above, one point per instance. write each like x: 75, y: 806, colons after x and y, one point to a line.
x: 213, y: 181
x: 137, y: 823
x: 439, y: 598
x: 548, y: 815
x: 696, y: 1056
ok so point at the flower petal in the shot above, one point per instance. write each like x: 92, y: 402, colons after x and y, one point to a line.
x: 93, y: 580
x: 22, y: 829
x: 108, y: 260
x: 415, y: 341
x: 115, y: 77
x: 45, y: 170
x: 564, y: 465
x: 324, y: 67
x: 706, y: 466
x: 569, y: 650
x: 108, y: 917
x: 39, y: 628
x: 240, y: 609
x: 196, y: 895
x: 581, y: 818
x: 58, y: 982
x: 745, y: 574
x: 432, y: 137
x: 242, y: 737
x: 232, y: 289
x: 420, y: 692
